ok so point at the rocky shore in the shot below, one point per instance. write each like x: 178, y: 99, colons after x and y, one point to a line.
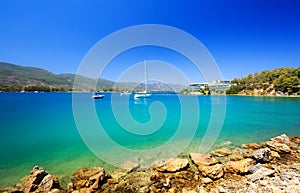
x: 272, y: 166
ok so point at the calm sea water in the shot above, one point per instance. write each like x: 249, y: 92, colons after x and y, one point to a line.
x: 39, y: 128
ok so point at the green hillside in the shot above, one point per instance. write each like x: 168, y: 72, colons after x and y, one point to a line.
x: 17, y: 78
x: 280, y: 81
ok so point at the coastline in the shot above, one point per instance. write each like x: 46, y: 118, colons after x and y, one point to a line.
x: 272, y: 166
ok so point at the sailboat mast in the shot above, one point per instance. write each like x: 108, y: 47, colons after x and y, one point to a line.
x: 145, y: 74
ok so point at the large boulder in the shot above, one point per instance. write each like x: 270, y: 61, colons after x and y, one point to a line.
x: 240, y: 166
x: 213, y: 171
x: 280, y: 144
x: 40, y: 181
x: 203, y: 159
x: 171, y: 165
x: 88, y: 179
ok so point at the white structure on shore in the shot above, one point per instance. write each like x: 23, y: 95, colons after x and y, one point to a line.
x: 218, y: 85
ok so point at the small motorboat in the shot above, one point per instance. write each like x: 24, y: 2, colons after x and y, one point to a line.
x: 98, y: 96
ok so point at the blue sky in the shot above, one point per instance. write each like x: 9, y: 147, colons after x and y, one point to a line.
x: 243, y: 36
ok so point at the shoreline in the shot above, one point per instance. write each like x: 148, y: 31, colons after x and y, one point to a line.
x: 251, y: 167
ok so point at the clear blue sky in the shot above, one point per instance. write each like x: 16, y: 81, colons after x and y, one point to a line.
x: 243, y: 36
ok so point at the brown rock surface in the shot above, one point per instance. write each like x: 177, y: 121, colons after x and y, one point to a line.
x: 251, y: 146
x: 239, y: 167
x: 221, y: 152
x: 203, y: 159
x: 213, y: 171
x: 279, y: 144
x: 88, y: 179
x: 171, y: 165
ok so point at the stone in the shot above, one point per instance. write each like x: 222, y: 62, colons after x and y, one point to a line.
x: 239, y: 167
x: 206, y: 180
x: 185, y: 190
x: 221, y: 152
x: 213, y: 171
x: 203, y: 159
x: 88, y: 178
x: 275, y: 155
x: 171, y: 165
x: 40, y: 181
x: 260, y: 174
x: 253, y: 169
x: 251, y: 146
x: 279, y: 144
x: 262, y: 155
x: 48, y: 183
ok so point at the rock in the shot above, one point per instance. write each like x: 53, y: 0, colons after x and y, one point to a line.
x: 88, y: 178
x: 275, y: 155
x: 253, y: 169
x: 260, y: 174
x: 251, y: 146
x: 171, y: 165
x: 48, y: 183
x: 262, y: 155
x: 206, y: 180
x: 221, y: 152
x: 213, y: 171
x: 240, y: 167
x: 40, y: 181
x: 185, y: 190
x: 279, y: 144
x: 203, y: 159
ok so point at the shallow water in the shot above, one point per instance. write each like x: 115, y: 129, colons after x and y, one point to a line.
x: 39, y: 128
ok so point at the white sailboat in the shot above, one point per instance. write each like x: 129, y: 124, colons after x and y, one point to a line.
x: 143, y: 94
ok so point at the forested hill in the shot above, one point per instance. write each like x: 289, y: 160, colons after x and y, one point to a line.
x: 17, y: 78
x: 280, y: 81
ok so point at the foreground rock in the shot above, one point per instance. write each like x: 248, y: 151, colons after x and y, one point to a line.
x: 214, y: 171
x: 279, y: 144
x: 203, y: 159
x: 251, y: 146
x: 240, y: 167
x: 261, y: 173
x: 171, y: 165
x: 87, y: 179
x: 260, y: 155
x: 221, y: 152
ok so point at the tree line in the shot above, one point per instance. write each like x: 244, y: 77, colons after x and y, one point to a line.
x: 15, y: 88
x: 285, y: 80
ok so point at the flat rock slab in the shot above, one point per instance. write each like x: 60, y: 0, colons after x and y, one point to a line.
x: 214, y: 171
x: 203, y: 159
x: 251, y: 146
x: 221, y: 152
x: 240, y: 167
x: 260, y: 174
x: 171, y: 165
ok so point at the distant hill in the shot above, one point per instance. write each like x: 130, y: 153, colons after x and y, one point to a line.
x: 17, y: 78
x: 280, y: 81
x: 20, y: 76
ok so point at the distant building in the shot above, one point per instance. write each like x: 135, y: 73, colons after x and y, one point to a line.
x: 217, y: 85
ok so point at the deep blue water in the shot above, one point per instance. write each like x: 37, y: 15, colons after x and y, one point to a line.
x: 39, y: 128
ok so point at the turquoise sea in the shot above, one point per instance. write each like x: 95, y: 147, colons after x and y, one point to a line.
x: 39, y: 128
